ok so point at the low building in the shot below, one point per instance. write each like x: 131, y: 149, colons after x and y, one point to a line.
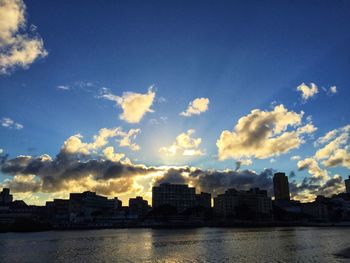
x: 252, y: 204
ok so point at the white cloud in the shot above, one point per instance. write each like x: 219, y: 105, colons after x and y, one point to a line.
x: 17, y: 48
x: 111, y: 155
x: 333, y: 90
x: 11, y: 124
x: 81, y: 85
x: 307, y: 91
x: 246, y: 162
x: 162, y: 119
x: 339, y: 157
x: 332, y: 146
x: 313, y: 168
x: 336, y: 151
x: 63, y: 87
x: 161, y: 100
x: 196, y: 107
x: 127, y: 138
x: 295, y: 157
x: 75, y: 145
x: 264, y: 134
x: 184, y: 145
x: 134, y: 105
x: 329, y: 135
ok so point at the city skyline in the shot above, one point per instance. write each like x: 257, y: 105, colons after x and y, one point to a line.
x: 118, y: 98
x: 280, y: 193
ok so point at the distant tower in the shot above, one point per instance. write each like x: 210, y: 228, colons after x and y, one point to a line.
x: 347, y: 185
x: 281, y: 187
x: 5, y: 197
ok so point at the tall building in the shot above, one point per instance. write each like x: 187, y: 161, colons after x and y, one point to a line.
x: 177, y: 195
x: 5, y: 197
x: 281, y: 187
x: 252, y: 204
x: 347, y: 185
x: 203, y: 200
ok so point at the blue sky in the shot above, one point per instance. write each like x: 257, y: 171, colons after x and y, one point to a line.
x: 241, y: 55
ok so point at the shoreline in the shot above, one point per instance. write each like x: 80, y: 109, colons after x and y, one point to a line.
x: 31, y: 229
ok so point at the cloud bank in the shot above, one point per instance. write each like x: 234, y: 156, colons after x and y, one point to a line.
x: 78, y: 166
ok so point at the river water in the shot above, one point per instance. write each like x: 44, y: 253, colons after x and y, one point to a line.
x: 293, y: 244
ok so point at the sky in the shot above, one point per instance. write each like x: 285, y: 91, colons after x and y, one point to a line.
x: 117, y: 96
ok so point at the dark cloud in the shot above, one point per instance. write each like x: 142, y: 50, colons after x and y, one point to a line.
x: 173, y: 176
x: 23, y: 184
x: 56, y: 174
x: 217, y: 182
x: 333, y: 185
x: 16, y: 165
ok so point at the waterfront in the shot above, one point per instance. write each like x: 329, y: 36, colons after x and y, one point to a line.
x: 298, y: 244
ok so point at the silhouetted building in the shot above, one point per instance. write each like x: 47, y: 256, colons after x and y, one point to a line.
x: 138, y: 207
x: 281, y: 187
x: 252, y: 204
x: 87, y: 205
x: 203, y: 199
x: 317, y: 210
x: 5, y: 196
x: 347, y: 185
x: 114, y: 204
x: 18, y: 212
x: 287, y: 210
x: 58, y: 210
x: 179, y: 196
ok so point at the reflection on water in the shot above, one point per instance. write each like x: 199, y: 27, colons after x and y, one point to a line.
x: 184, y: 245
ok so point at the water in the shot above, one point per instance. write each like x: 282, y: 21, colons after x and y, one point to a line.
x: 181, y: 245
